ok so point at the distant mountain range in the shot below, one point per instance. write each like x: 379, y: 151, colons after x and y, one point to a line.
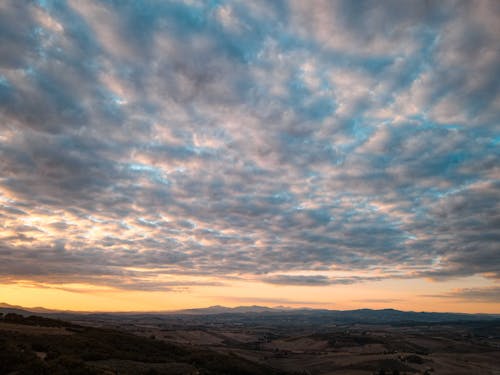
x: 5, y: 308
x: 345, y: 316
x: 217, y: 309
x: 254, y: 312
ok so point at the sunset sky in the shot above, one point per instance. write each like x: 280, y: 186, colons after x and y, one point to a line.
x: 159, y: 155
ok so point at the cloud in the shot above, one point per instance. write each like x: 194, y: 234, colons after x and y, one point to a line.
x: 315, y: 280
x: 259, y: 140
x: 486, y: 294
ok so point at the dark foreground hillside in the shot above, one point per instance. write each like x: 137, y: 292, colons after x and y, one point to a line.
x: 35, y: 345
x: 248, y: 343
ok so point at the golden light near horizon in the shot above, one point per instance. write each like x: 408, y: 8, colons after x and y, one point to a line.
x: 408, y: 295
x: 169, y: 155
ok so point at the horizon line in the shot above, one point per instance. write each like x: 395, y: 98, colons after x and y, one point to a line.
x: 5, y: 305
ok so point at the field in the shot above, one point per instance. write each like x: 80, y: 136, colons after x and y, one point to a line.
x: 352, y: 349
x: 244, y: 344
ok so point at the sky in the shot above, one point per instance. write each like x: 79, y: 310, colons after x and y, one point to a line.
x: 159, y: 155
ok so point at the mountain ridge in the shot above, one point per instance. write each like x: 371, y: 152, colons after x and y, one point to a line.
x: 364, y: 314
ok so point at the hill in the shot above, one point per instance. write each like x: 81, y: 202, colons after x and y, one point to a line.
x: 38, y: 345
x: 263, y: 312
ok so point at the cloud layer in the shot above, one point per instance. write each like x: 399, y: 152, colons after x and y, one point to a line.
x: 147, y: 142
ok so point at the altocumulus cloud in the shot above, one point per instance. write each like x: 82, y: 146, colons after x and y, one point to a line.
x: 261, y: 140
x: 486, y: 294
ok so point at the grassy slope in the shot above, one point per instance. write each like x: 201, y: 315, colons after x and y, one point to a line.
x: 103, y: 351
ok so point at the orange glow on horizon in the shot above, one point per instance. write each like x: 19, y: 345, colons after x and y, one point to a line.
x: 400, y: 294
